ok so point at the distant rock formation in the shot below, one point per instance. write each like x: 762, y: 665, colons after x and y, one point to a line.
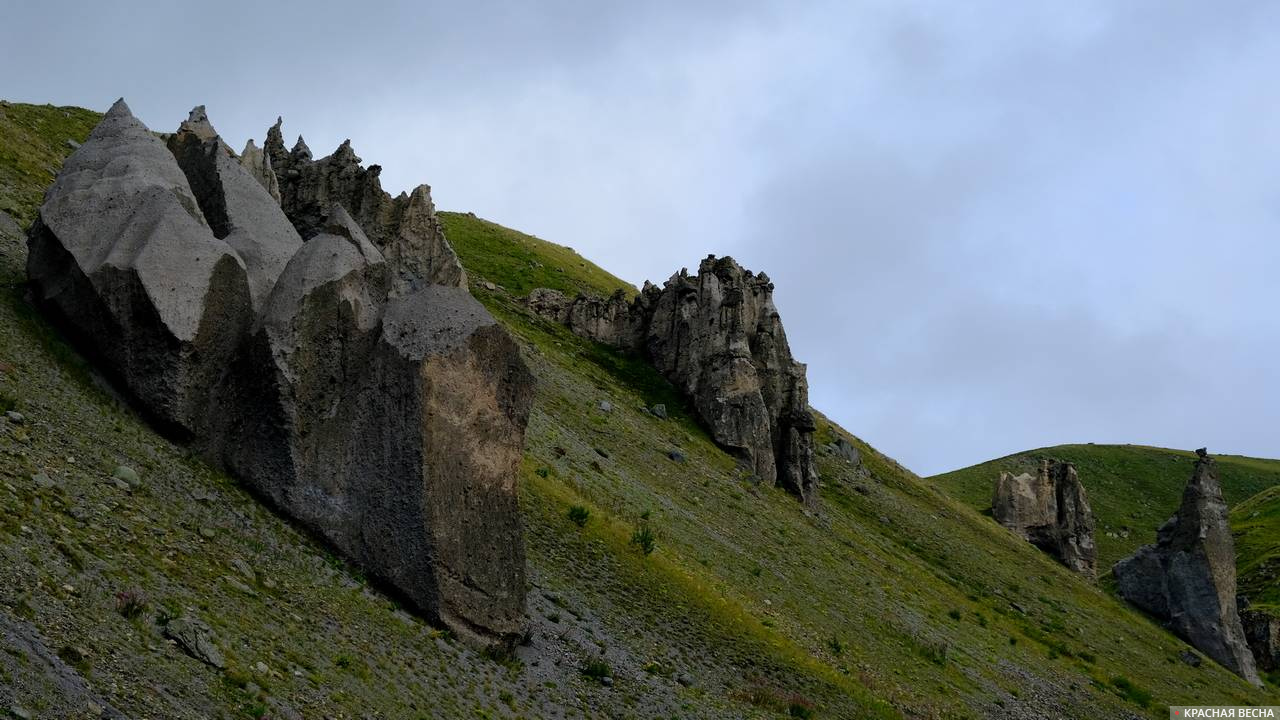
x: 404, y: 228
x: 718, y: 337
x: 1051, y: 512
x: 1188, y: 578
x: 1262, y: 631
x: 386, y: 415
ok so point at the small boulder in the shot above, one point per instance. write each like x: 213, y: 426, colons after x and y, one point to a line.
x: 676, y: 456
x: 196, y: 639
x: 659, y: 411
x: 15, y: 417
x: 127, y: 475
x: 605, y: 406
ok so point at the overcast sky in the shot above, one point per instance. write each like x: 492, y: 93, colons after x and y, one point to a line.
x: 993, y: 226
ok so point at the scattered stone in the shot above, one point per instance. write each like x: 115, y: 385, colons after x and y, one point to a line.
x: 207, y: 533
x: 676, y: 455
x: 73, y: 144
x: 717, y: 336
x: 42, y: 481
x: 21, y: 713
x: 605, y: 406
x: 15, y: 417
x: 1189, y: 658
x: 127, y: 475
x: 490, y: 286
x: 243, y: 568
x: 659, y: 411
x: 1188, y: 578
x: 601, y: 452
x: 606, y: 681
x: 685, y: 679
x: 196, y: 639
x: 1051, y: 512
x: 262, y: 668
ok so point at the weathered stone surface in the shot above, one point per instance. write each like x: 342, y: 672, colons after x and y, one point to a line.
x: 196, y: 639
x: 1051, y: 512
x: 259, y: 166
x: 718, y: 337
x: 384, y: 412
x: 1262, y: 631
x: 1188, y: 578
x: 404, y: 228
x: 123, y: 259
x: 238, y: 209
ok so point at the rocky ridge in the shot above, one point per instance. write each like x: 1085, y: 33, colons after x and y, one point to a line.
x: 383, y: 411
x: 1188, y: 578
x: 1051, y: 511
x: 719, y: 338
x: 404, y: 228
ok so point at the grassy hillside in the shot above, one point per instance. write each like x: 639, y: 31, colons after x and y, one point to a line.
x: 1132, y: 489
x: 893, y: 600
x: 1256, y: 526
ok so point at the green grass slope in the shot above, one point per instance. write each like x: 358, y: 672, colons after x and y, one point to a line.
x: 1132, y: 489
x: 1256, y: 526
x: 893, y: 600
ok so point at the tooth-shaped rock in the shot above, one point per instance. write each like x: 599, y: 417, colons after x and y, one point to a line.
x: 123, y: 258
x: 258, y: 164
x: 237, y: 207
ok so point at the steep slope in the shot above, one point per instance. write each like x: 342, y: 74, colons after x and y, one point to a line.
x: 1255, y: 523
x: 1132, y: 488
x: 693, y: 591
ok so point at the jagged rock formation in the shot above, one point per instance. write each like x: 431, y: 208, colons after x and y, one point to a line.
x: 718, y: 337
x: 123, y: 258
x: 1051, y: 512
x: 1262, y: 631
x: 1188, y: 578
x: 387, y: 416
x: 405, y: 228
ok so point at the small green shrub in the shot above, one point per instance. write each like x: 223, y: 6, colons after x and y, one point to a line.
x: 131, y: 603
x: 837, y: 647
x: 644, y: 538
x: 543, y: 471
x: 953, y: 614
x: 579, y: 515
x: 597, y: 669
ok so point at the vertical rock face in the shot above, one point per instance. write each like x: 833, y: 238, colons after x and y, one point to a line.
x: 1188, y: 578
x: 259, y: 166
x: 1051, y: 512
x: 718, y: 337
x: 1262, y: 631
x: 404, y: 228
x: 122, y: 258
x: 385, y: 413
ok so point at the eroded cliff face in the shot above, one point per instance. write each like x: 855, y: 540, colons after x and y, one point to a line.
x: 1188, y: 578
x: 404, y: 228
x: 384, y: 411
x: 1051, y: 511
x: 718, y: 337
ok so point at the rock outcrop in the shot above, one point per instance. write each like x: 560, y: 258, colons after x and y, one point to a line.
x: 122, y: 257
x: 1188, y: 578
x: 386, y: 415
x: 718, y: 337
x: 404, y: 228
x: 1262, y: 631
x: 1051, y: 511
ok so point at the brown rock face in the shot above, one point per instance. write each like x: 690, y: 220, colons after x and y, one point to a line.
x: 405, y: 228
x: 717, y: 336
x: 382, y: 411
x: 1051, y: 512
x: 1188, y: 578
